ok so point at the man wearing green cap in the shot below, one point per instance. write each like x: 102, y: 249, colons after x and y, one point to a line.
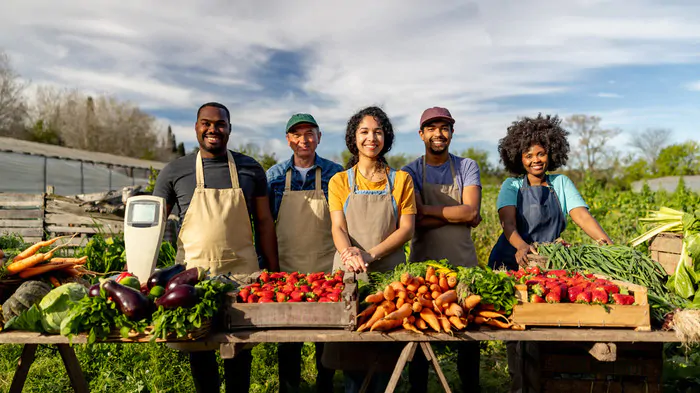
x: 298, y: 190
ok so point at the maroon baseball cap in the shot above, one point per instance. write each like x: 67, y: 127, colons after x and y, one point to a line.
x: 435, y: 113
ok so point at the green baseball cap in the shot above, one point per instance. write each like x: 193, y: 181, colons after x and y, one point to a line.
x: 300, y: 118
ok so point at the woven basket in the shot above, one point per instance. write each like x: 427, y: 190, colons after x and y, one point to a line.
x: 196, y: 334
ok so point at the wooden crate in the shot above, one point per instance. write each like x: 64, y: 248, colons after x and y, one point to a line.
x: 340, y: 315
x: 584, y: 315
x: 22, y: 214
x: 665, y: 248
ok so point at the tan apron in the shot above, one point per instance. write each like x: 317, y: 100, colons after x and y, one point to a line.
x: 304, y: 237
x: 216, y: 232
x: 451, y: 241
x: 371, y: 217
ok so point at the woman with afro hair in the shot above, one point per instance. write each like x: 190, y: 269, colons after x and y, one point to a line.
x: 533, y: 205
x: 373, y: 213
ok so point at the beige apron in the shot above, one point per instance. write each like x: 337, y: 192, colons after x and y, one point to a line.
x: 216, y: 232
x: 304, y: 237
x: 451, y: 241
x: 371, y: 217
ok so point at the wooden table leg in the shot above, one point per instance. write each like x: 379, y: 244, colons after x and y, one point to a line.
x: 430, y: 355
x: 25, y: 361
x: 406, y: 355
x: 368, y: 378
x: 77, y: 379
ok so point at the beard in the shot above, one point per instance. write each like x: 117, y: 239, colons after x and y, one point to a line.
x: 437, y: 150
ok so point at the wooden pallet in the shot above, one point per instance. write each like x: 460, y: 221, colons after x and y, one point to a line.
x: 584, y: 315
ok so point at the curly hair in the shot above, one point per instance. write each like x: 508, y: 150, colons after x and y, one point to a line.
x: 545, y: 131
x: 351, y: 130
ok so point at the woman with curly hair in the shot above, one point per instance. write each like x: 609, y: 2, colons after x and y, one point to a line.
x: 533, y: 205
x: 373, y: 212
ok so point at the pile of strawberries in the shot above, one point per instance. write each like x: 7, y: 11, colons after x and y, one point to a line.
x: 561, y: 286
x: 281, y: 287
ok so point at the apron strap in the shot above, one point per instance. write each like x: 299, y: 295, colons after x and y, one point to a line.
x: 452, y: 171
x: 232, y: 170
x: 319, y: 185
x: 288, y: 180
x: 199, y: 170
x: 351, y: 179
x: 389, y: 190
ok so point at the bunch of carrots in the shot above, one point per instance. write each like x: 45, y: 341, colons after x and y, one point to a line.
x: 424, y: 303
x: 31, y: 262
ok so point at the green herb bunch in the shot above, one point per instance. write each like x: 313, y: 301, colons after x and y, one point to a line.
x: 494, y: 287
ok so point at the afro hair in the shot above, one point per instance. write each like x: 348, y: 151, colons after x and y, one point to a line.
x: 545, y: 131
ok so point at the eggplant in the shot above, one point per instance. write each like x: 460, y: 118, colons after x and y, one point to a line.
x: 190, y: 277
x: 161, y: 277
x: 129, y: 301
x: 183, y: 295
x: 94, y: 290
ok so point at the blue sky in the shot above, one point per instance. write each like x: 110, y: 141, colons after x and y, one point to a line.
x: 634, y: 64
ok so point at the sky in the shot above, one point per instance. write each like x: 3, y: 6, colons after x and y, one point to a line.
x: 632, y: 63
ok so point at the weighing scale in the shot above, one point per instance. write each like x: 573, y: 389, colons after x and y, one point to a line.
x: 144, y: 224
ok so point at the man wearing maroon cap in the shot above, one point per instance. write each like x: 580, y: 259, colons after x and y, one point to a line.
x: 448, y: 198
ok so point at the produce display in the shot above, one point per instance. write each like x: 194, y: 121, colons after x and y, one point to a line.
x: 39, y: 261
x: 281, y: 287
x: 427, y: 297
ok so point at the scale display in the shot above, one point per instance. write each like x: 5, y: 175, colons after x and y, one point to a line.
x: 143, y: 214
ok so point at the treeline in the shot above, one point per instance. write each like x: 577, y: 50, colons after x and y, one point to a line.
x: 74, y: 119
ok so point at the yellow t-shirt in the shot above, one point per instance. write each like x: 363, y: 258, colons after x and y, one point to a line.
x: 339, y: 190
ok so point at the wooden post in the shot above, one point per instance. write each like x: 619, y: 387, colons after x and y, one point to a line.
x: 46, y: 159
x: 82, y: 179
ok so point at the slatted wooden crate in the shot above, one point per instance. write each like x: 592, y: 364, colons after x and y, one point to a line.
x: 665, y: 248
x: 22, y: 214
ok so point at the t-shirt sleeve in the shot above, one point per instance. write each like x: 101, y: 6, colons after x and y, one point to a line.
x: 470, y: 173
x: 260, y: 181
x: 508, y: 195
x: 407, y: 201
x: 411, y: 169
x: 572, y: 198
x: 164, y: 186
x: 337, y: 192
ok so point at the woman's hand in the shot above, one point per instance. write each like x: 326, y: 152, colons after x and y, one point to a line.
x: 521, y: 254
x: 356, y: 259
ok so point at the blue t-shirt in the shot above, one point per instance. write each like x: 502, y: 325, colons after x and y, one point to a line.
x: 564, y: 188
x: 466, y: 171
x: 276, y: 176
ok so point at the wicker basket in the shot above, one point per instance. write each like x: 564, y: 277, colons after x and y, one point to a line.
x: 147, y: 335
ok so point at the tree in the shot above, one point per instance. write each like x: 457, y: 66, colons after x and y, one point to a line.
x: 679, y: 160
x: 265, y: 159
x: 13, y: 109
x: 650, y: 142
x: 398, y: 161
x: 591, y: 151
x: 482, y: 159
x: 180, y: 149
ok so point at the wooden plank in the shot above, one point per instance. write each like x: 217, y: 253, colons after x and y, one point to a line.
x: 32, y: 239
x: 74, y: 219
x: 20, y: 213
x: 406, y: 355
x: 67, y: 229
x: 21, y: 224
x: 12, y: 204
x: 430, y: 355
x: 25, y: 362
x: 23, y: 231
x: 75, y: 374
x: 38, y: 199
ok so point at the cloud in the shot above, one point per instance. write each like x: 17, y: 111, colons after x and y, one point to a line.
x: 271, y: 59
x: 693, y: 86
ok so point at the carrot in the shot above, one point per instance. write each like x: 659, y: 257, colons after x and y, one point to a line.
x: 425, y: 302
x: 422, y: 289
x: 398, y: 287
x: 497, y: 323
x: 417, y: 307
x: 430, y: 318
x: 32, y: 250
x: 454, y: 310
x: 389, y: 293
x: 411, y: 319
x: 445, y: 323
x: 388, y: 306
x: 429, y: 272
x: 443, y: 283
x: 403, y: 312
x: 420, y: 324
x: 413, y: 285
x: 490, y: 314
x: 479, y: 320
x: 411, y: 295
x: 434, y: 279
x: 71, y: 271
x: 400, y: 302
x: 435, y: 287
x: 447, y: 297
x: 401, y: 294
x: 41, y: 269
x: 16, y: 267
x: 435, y: 294
x: 75, y: 261
x: 376, y: 298
x: 366, y: 313
x: 471, y: 301
x: 451, y: 281
x: 406, y: 278
x: 54, y: 281
x: 517, y: 327
x: 379, y: 313
x: 386, y: 324
x: 457, y: 323
x: 487, y: 307
x: 410, y: 326
x: 421, y: 280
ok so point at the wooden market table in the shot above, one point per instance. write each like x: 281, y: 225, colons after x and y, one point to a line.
x: 229, y: 341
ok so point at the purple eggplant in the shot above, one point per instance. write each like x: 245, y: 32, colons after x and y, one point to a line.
x: 190, y: 277
x: 183, y: 295
x: 94, y: 290
x: 129, y: 301
x: 160, y: 277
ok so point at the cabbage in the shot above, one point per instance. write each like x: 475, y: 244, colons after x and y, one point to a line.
x: 56, y: 305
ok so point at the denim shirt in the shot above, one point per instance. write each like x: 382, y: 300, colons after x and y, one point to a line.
x: 276, y: 176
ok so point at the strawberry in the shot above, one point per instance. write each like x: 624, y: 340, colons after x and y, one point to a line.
x: 623, y: 299
x: 553, y: 297
x: 573, y: 293
x: 318, y: 283
x: 557, y: 273
x: 611, y: 288
x: 599, y: 296
x: 304, y: 288
x: 318, y: 291
x: 329, y: 284
x: 266, y: 294
x: 536, y: 299
x: 281, y: 297
x: 268, y: 287
x: 583, y: 297
x: 292, y: 279
x: 324, y: 299
x: 534, y: 270
x: 277, y: 276
x: 265, y: 300
x: 311, y: 299
x: 334, y: 297
x: 265, y: 276
x: 244, y: 293
x: 538, y: 290
x: 253, y: 298
x: 288, y: 288
x: 297, y: 295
